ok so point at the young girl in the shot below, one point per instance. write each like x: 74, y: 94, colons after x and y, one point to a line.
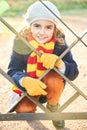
x: 26, y: 66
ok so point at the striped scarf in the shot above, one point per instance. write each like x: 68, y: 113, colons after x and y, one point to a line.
x: 34, y: 66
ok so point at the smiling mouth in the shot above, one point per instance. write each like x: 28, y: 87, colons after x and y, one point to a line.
x: 42, y: 38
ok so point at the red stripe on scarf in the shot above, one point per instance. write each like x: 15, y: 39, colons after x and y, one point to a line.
x: 18, y: 91
x: 46, y: 51
x: 32, y: 60
x: 32, y: 74
x: 40, y: 66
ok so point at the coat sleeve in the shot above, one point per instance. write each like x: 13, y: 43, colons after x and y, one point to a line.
x: 18, y: 61
x: 71, y: 67
x: 71, y: 71
x: 17, y: 67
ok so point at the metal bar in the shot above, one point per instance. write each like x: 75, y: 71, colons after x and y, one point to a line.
x: 32, y: 48
x: 35, y: 50
x: 33, y: 99
x: 67, y: 103
x: 49, y: 116
x: 7, y: 76
x: 16, y: 33
x: 15, y: 104
x: 62, y: 22
x: 71, y: 83
x: 65, y: 52
x: 39, y: 54
x: 73, y: 44
x: 44, y: 116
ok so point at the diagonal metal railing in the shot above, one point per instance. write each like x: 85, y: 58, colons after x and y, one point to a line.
x: 63, y: 22
x: 4, y: 74
x: 50, y: 116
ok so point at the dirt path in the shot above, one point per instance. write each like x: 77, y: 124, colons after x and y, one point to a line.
x: 78, y: 24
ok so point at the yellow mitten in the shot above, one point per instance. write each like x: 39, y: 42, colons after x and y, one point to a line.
x: 34, y: 87
x: 59, y: 63
x: 49, y: 60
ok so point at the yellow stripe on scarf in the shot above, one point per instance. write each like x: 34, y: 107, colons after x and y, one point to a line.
x: 48, y: 46
x: 34, y: 65
x: 39, y: 72
x: 34, y: 44
x: 31, y: 67
x: 34, y: 61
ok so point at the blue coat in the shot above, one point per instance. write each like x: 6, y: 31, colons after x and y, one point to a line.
x: 21, y: 52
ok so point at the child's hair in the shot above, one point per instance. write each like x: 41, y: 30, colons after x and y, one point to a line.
x: 59, y: 35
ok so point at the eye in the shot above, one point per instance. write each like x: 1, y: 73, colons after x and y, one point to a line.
x: 36, y: 25
x: 49, y: 27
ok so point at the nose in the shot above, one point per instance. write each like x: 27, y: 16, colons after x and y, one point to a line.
x: 42, y: 31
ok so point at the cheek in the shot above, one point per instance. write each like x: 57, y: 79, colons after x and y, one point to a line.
x: 50, y: 33
x: 34, y: 32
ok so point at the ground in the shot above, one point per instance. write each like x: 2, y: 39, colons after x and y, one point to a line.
x: 78, y: 24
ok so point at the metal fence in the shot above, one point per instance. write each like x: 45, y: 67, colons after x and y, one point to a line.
x: 47, y: 115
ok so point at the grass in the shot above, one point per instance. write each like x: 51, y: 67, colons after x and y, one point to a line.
x: 71, y: 7
x: 19, y: 7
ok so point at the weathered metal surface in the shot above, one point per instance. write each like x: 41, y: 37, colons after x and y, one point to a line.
x: 43, y: 116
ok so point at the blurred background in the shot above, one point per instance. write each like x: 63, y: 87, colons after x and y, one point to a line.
x: 18, y: 7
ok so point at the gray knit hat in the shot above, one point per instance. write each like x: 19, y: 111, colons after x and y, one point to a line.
x: 38, y: 11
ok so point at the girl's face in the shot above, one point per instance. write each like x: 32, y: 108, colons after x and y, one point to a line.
x: 42, y: 30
